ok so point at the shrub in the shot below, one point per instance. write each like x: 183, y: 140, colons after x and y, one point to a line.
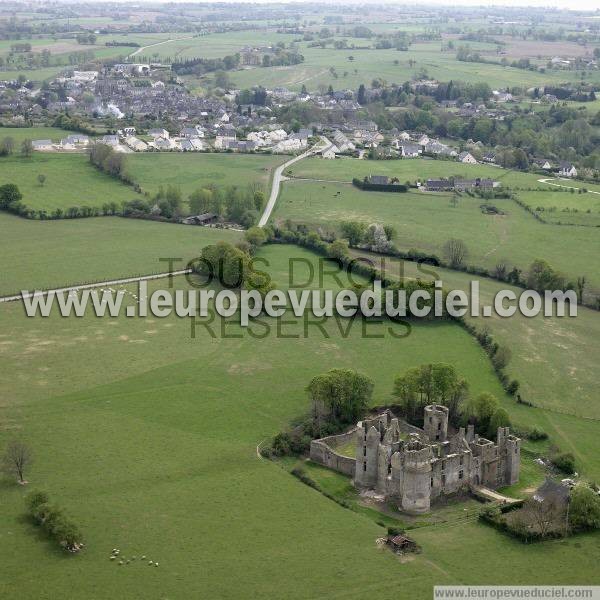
x: 584, y: 512
x: 536, y: 434
x: 564, y: 462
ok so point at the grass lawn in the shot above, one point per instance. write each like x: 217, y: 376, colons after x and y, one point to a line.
x: 148, y: 439
x: 427, y: 220
x: 18, y: 134
x: 391, y: 65
x: 70, y: 181
x: 565, y: 207
x: 43, y: 254
x: 190, y: 171
x: 553, y: 358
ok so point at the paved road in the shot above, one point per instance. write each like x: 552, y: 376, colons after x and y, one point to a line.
x: 88, y: 286
x: 548, y: 181
x: 320, y: 146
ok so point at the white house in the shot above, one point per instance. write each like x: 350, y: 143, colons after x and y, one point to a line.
x: 222, y: 141
x: 136, y: 144
x: 159, y: 133
x: 192, y: 131
x: 161, y: 143
x: 110, y: 140
x: 192, y: 144
x: 410, y: 150
x: 567, y: 169
x: 42, y: 145
x: 467, y: 158
x: 330, y: 153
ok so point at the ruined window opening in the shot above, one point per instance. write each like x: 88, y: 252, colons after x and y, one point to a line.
x: 439, y: 426
x: 365, y: 466
x: 364, y: 450
x: 431, y: 485
x: 460, y: 474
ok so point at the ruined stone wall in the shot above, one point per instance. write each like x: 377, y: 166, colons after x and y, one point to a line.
x: 323, y: 452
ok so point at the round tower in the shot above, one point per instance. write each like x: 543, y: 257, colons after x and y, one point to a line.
x: 435, y: 423
x: 416, y: 484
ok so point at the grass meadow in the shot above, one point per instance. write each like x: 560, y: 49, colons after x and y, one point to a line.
x: 190, y: 171
x: 70, y: 181
x: 553, y: 358
x: 48, y: 254
x: 391, y: 65
x: 155, y: 454
x: 427, y: 220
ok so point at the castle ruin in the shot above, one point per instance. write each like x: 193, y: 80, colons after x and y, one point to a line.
x: 413, y: 467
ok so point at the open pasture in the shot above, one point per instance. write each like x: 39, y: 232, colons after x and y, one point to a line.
x: 391, y: 65
x: 553, y: 358
x: 425, y: 221
x: 48, y: 254
x: 171, y: 424
x: 70, y: 181
x: 190, y: 171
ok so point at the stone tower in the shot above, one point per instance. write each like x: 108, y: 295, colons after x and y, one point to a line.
x: 416, y: 484
x: 435, y: 423
x: 367, y: 448
x: 509, y: 448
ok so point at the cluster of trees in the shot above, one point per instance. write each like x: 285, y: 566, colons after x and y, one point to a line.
x: 339, y: 398
x: 7, y: 147
x: 375, y: 237
x: 282, y: 58
x: 440, y: 383
x: 239, y: 205
x: 199, y: 66
x: 232, y: 267
x: 109, y: 161
x: 53, y: 521
x: 86, y: 38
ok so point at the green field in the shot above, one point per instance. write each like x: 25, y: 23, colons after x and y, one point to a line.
x: 370, y: 63
x: 553, y: 358
x: 70, y: 181
x: 155, y: 454
x: 45, y: 254
x: 427, y: 220
x: 190, y: 171
x: 566, y: 207
x: 18, y: 134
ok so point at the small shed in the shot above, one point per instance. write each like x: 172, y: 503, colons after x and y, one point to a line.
x: 203, y: 219
x: 400, y: 544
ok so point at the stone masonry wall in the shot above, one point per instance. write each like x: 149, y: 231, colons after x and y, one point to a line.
x: 322, y: 452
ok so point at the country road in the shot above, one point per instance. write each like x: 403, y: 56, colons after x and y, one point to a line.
x: 320, y: 146
x: 548, y: 181
x: 189, y: 37
x: 323, y: 144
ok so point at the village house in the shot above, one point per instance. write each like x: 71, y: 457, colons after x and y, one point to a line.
x: 222, y: 141
x: 542, y: 163
x: 567, y: 169
x: 135, y: 144
x: 42, y: 145
x: 467, y: 158
x: 192, y: 145
x: 110, y: 140
x: 192, y: 132
x: 158, y: 133
x: 330, y: 153
x: 410, y: 150
x: 165, y: 144
x: 73, y: 141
